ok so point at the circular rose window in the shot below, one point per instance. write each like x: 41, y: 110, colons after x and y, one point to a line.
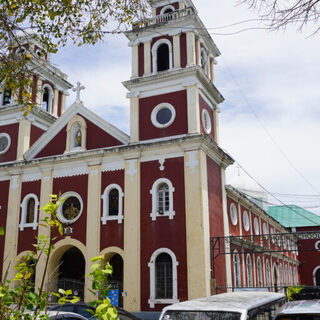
x: 163, y: 115
x: 71, y: 208
x: 246, y: 222
x: 233, y: 214
x: 5, y: 142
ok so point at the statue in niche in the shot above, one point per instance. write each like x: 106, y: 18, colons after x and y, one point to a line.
x: 78, y: 138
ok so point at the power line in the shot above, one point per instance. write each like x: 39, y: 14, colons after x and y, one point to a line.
x: 266, y: 130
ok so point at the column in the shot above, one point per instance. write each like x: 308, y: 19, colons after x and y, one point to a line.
x: 55, y: 103
x: 134, y: 116
x: 12, y: 228
x: 176, y: 52
x: 191, y: 49
x: 212, y: 70
x: 63, y: 103
x: 147, y: 57
x: 46, y: 190
x: 39, y: 92
x: 216, y: 125
x: 93, y: 223
x: 135, y: 61
x: 132, y: 301
x: 197, y: 224
x: 226, y: 230
x: 193, y: 109
x: 23, y: 138
x: 198, y: 50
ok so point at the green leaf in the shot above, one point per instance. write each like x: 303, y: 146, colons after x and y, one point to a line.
x: 68, y: 292
x: 1, y: 231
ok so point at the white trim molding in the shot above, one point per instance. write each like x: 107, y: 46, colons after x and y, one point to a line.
x: 71, y: 143
x: 65, y: 196
x: 155, y: 199
x: 236, y: 269
x: 233, y: 213
x: 155, y: 111
x: 50, y: 98
x: 166, y: 8
x: 206, y: 121
x: 24, y: 208
x: 154, y: 50
x: 152, y: 265
x: 105, y: 211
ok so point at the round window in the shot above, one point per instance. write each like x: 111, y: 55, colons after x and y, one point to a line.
x: 5, y: 142
x: 71, y: 208
x: 256, y: 226
x: 233, y: 214
x: 206, y: 121
x: 246, y: 222
x: 163, y: 115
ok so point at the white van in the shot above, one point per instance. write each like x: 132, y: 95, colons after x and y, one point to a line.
x: 300, y: 310
x: 227, y: 306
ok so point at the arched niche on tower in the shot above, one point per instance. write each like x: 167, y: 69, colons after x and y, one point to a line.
x: 76, y: 134
x: 162, y: 55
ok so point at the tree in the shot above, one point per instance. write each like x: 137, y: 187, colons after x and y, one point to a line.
x: 281, y: 13
x: 53, y: 23
x: 22, y: 300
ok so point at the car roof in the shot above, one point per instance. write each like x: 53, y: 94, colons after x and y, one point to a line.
x: 301, y: 306
x: 232, y: 301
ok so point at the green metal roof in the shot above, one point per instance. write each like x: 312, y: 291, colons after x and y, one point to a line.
x: 293, y: 216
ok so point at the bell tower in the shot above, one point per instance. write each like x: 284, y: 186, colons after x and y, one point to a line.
x: 172, y: 89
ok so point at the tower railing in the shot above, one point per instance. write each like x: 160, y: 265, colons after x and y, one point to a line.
x: 164, y: 18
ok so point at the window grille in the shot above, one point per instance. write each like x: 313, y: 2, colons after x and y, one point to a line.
x: 163, y: 198
x: 164, y: 289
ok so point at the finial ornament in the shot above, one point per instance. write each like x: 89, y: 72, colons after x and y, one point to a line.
x: 77, y: 89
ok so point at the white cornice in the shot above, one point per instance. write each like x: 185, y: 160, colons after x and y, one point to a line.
x: 76, y: 108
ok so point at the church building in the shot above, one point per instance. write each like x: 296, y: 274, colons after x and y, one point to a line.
x: 154, y: 203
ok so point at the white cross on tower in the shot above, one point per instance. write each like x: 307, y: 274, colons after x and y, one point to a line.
x: 77, y: 89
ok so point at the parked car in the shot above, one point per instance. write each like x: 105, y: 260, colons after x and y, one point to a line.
x: 65, y: 316
x: 82, y: 309
x: 227, y: 306
x: 300, y: 310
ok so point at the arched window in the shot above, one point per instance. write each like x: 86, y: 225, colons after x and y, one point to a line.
x: 6, y: 96
x: 236, y: 269
x: 167, y: 9
x: 268, y: 277
x: 29, y: 212
x: 162, y: 199
x: 204, y: 59
x: 162, y: 55
x: 286, y: 275
x: 316, y: 276
x: 47, y: 97
x: 163, y: 277
x: 112, y: 204
x: 249, y: 271
x: 259, y: 271
x: 290, y: 276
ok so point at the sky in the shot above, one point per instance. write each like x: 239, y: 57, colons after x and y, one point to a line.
x: 269, y: 121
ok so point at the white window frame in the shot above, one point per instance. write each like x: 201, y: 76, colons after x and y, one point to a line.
x: 155, y: 56
x: 156, y: 109
x: 70, y: 139
x: 105, y: 197
x: 236, y: 269
x: 249, y: 271
x: 65, y: 196
x: 246, y: 220
x: 204, y: 52
x: 152, y: 265
x: 281, y: 274
x: 256, y: 227
x: 286, y: 274
x: 4, y: 134
x: 2, y: 97
x: 233, y: 218
x: 259, y: 272
x: 51, y: 95
x: 24, y: 206
x: 154, y: 193
x: 166, y: 8
x: 268, y: 273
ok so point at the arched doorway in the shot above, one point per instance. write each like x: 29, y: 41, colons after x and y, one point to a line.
x: 316, y: 276
x: 72, y: 272
x: 116, y: 279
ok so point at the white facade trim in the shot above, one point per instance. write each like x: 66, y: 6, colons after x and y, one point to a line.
x: 31, y: 176
x: 206, y: 121
x: 105, y: 197
x: 154, y: 193
x: 249, y: 270
x: 236, y: 269
x: 166, y: 8
x: 152, y: 301
x: 155, y: 56
x: 50, y: 98
x: 70, y: 171
x: 112, y: 166
x: 24, y: 208
x: 233, y: 212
